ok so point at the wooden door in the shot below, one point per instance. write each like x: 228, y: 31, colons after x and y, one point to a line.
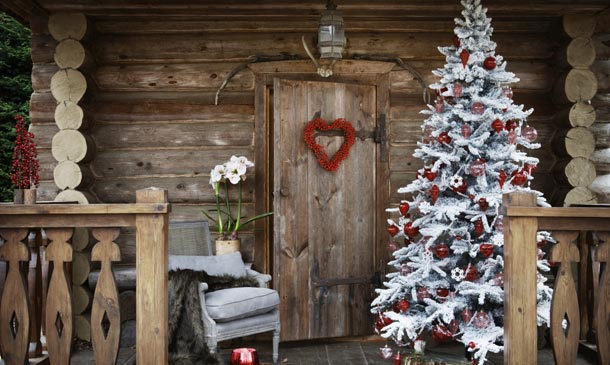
x: 324, y: 249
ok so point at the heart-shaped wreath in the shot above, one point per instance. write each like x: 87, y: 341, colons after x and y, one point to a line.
x: 349, y: 139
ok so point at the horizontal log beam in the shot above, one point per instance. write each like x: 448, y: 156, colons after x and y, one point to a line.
x: 76, y: 209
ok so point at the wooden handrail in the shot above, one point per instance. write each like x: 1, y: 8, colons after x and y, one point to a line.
x: 149, y: 215
x: 522, y: 220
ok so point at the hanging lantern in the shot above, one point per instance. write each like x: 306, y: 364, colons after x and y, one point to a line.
x: 331, y: 34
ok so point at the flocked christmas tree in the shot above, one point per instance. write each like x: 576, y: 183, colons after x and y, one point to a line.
x: 449, y: 271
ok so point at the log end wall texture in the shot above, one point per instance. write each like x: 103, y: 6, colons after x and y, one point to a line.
x: 147, y: 115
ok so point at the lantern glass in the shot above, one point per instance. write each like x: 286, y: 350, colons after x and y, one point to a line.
x: 331, y: 35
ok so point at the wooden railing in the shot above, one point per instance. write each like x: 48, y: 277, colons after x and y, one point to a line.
x: 149, y: 216
x: 522, y: 219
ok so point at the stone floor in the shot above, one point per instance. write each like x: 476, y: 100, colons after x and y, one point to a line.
x: 363, y: 352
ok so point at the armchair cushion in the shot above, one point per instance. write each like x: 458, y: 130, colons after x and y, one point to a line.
x: 229, y: 264
x: 235, y: 303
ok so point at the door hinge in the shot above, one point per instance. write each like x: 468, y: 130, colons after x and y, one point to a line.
x: 381, y: 137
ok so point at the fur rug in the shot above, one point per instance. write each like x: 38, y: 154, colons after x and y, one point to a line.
x: 187, y: 344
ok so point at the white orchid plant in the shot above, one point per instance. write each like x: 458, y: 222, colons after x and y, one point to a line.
x: 231, y: 172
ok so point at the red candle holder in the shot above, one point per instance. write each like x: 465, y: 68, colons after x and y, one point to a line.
x: 244, y: 356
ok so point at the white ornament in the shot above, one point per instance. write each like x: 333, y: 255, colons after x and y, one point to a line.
x: 427, y: 256
x: 458, y: 274
x: 419, y: 346
x: 456, y: 181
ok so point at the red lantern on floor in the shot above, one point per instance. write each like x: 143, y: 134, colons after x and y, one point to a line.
x: 244, y: 356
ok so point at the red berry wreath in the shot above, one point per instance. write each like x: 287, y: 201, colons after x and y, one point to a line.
x: 321, y: 155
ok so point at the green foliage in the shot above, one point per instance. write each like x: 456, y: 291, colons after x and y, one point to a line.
x: 15, y: 91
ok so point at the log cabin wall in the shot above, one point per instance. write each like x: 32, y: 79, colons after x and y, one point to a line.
x: 153, y: 121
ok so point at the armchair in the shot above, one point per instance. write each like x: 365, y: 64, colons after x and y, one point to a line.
x: 226, y: 313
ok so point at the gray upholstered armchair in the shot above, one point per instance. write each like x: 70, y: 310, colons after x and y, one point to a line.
x: 226, y: 313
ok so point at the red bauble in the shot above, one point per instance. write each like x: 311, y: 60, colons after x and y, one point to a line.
x: 502, y: 178
x: 477, y: 108
x: 541, y: 243
x: 441, y: 333
x: 442, y: 251
x: 443, y: 138
x: 512, y: 137
x: 478, y: 227
x: 456, y: 41
x: 466, y: 131
x: 487, y: 249
x: 392, y: 230
x: 464, y: 56
x: 397, y: 359
x: 434, y: 191
x: 442, y: 292
x: 439, y: 105
x: 423, y: 293
x: 528, y: 133
x: 393, y: 246
x: 428, y: 174
x: 404, y: 208
x: 477, y: 167
x: 471, y: 274
x: 490, y: 63
x: 519, y: 177
x: 403, y: 305
x: 497, y: 125
x: 382, y: 321
x: 472, y: 345
x: 410, y: 231
x: 453, y: 326
x: 466, y: 315
x: 481, y: 320
x: 483, y: 204
x: 457, y: 90
x: 510, y: 125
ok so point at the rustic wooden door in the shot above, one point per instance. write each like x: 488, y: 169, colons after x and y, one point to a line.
x: 324, y: 249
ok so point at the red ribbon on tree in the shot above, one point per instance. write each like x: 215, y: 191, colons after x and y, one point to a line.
x: 349, y: 139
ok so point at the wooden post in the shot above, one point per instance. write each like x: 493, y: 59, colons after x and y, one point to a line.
x: 151, y: 279
x: 520, y: 272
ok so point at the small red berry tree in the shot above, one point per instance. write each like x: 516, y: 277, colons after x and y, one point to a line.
x: 24, y: 171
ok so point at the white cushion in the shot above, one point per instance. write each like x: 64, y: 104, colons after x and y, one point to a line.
x: 235, y: 303
x: 229, y: 264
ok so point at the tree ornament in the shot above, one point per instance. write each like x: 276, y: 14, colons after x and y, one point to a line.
x: 477, y: 167
x: 499, y: 224
x: 441, y: 333
x: 453, y: 326
x: 458, y: 184
x: 392, y: 230
x: 439, y: 105
x: 490, y: 63
x: 456, y: 41
x: 472, y: 345
x: 466, y: 315
x: 457, y: 90
x: 428, y: 174
x: 487, y: 249
x: 502, y: 178
x: 442, y: 292
x: 443, y: 138
x: 405, y: 269
x: 519, y: 177
x: 466, y: 131
x: 477, y: 108
x: 483, y: 204
x: 386, y: 352
x: 434, y: 191
x: 397, y: 359
x: 511, y: 137
x: 427, y: 135
x: 541, y: 243
x: 478, y: 227
x: 471, y: 273
x: 497, y: 125
x: 507, y: 91
x: 404, y: 208
x: 510, y: 125
x: 423, y: 293
x: 530, y: 168
x: 419, y: 346
x: 440, y: 91
x: 403, y: 305
x: 529, y: 133
x: 464, y: 56
x: 393, y: 246
x: 410, y: 231
x: 382, y: 321
x: 458, y: 274
x: 442, y: 250
x: 481, y: 320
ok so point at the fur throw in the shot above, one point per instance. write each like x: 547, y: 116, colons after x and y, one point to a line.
x: 187, y: 345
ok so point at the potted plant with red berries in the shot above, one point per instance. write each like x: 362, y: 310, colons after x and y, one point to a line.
x: 25, y: 167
